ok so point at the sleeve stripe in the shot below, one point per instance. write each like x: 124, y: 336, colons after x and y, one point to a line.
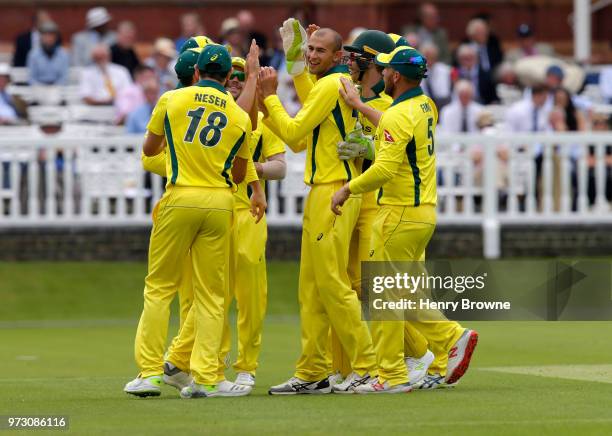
x: 337, y: 113
x: 412, y: 159
x: 173, y: 159
x: 313, y: 162
x: 230, y: 159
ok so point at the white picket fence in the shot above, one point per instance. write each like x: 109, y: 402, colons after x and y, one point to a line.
x: 97, y: 180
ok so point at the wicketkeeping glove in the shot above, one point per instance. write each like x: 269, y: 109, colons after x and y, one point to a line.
x: 356, y: 144
x: 294, y: 44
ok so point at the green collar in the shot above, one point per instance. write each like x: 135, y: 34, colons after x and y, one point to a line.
x: 337, y: 69
x: 411, y: 93
x: 377, y: 89
x: 212, y: 84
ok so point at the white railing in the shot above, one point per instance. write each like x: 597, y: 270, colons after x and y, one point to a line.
x: 486, y: 180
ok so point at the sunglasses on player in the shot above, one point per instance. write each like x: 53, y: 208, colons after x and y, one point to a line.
x: 238, y: 75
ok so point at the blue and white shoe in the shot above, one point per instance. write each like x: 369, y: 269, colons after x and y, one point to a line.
x: 351, y: 382
x: 297, y: 386
x: 173, y: 376
x: 431, y: 381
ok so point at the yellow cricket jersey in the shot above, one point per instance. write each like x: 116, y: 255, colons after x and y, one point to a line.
x: 381, y: 102
x: 157, y: 164
x: 323, y: 120
x: 262, y: 144
x: 205, y: 130
x: 405, y: 164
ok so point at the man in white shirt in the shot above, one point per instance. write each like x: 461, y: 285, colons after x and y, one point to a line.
x: 101, y: 82
x: 437, y: 85
x: 461, y: 115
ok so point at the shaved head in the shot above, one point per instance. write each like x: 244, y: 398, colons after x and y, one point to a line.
x: 324, y: 51
x: 331, y: 36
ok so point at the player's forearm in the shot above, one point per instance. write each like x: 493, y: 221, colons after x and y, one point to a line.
x: 369, y: 112
x: 303, y: 84
x: 375, y: 177
x: 247, y: 99
x: 293, y: 130
x: 251, y: 172
x: 153, y: 144
x: 275, y: 168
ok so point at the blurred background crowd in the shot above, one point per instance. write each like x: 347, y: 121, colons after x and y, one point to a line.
x: 479, y: 82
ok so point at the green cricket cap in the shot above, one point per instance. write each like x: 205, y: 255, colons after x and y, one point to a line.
x: 215, y: 59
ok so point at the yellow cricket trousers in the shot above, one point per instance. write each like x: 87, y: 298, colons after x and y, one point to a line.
x: 325, y: 294
x: 359, y: 251
x: 196, y: 219
x: 249, y: 287
x: 248, y: 284
x: 402, y: 234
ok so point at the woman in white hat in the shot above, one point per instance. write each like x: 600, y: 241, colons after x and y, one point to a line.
x: 97, y: 31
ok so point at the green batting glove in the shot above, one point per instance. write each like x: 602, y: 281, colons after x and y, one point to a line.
x: 362, y: 148
x: 294, y: 44
x: 366, y: 143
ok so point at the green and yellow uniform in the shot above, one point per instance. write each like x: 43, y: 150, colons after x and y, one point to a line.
x: 204, y: 131
x: 405, y: 175
x: 325, y: 294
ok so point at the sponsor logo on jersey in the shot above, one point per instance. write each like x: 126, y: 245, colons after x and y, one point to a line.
x: 388, y: 137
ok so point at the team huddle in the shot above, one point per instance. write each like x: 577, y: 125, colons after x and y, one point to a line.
x: 368, y: 133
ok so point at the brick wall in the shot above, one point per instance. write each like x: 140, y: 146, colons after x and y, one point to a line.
x: 284, y: 243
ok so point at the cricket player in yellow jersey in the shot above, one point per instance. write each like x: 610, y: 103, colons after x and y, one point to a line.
x: 206, y: 133
x: 247, y: 273
x: 325, y: 294
x: 368, y: 76
x: 405, y: 172
x: 248, y: 281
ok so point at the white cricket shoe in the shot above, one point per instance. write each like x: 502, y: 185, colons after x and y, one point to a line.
x: 245, y: 379
x: 460, y: 355
x: 375, y: 387
x: 173, y: 376
x: 335, y: 379
x: 296, y: 385
x: 144, y: 387
x: 350, y: 383
x: 223, y: 389
x: 417, y: 368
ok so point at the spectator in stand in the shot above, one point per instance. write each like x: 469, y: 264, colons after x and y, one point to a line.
x: 461, y: 114
x: 138, y: 119
x: 412, y: 38
x: 429, y: 30
x: 574, y: 119
x: 162, y: 62
x: 101, y: 82
x: 437, y: 85
x: 531, y: 115
x: 508, y: 87
x: 122, y: 52
x: 190, y: 26
x: 246, y: 21
x: 97, y: 31
x: 232, y: 35
x: 600, y: 123
x: 527, y: 45
x: 49, y: 62
x: 31, y: 39
x: 12, y: 108
x: 469, y: 69
x: 489, y: 50
x: 132, y: 96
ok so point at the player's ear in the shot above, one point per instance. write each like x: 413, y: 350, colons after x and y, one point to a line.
x: 338, y: 56
x: 229, y: 73
x: 196, y: 74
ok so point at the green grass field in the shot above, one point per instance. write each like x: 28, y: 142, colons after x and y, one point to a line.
x: 66, y: 335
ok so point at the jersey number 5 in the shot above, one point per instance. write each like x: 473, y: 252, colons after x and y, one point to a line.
x: 215, y: 122
x: 430, y: 147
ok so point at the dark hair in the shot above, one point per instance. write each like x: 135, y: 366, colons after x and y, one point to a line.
x: 219, y: 77
x: 186, y: 81
x: 570, y: 111
x: 141, y: 68
x: 539, y: 89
